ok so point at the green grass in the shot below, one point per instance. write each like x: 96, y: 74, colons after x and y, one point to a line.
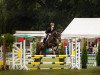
x: 89, y: 71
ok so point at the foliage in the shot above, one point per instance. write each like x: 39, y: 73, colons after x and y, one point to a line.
x: 37, y: 14
x: 84, y: 55
x: 1, y: 40
x: 9, y: 38
x: 62, y: 49
x: 34, y: 45
x: 98, y: 55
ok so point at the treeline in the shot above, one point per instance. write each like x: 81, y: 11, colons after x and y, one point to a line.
x: 37, y: 14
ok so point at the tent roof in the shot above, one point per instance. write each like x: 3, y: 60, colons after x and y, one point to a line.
x: 83, y: 27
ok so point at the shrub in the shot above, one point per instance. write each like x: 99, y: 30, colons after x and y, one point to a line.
x: 98, y: 55
x: 84, y: 55
x: 62, y: 49
x: 62, y: 53
x: 9, y: 40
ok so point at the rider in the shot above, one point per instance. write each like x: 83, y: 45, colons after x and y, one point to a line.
x: 49, y: 30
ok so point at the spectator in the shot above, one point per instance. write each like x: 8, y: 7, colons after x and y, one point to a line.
x: 92, y: 44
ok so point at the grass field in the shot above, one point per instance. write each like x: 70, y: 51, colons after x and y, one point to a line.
x: 89, y: 71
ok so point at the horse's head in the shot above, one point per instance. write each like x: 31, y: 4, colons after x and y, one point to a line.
x: 57, y: 35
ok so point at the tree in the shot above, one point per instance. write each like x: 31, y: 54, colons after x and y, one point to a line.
x: 3, y: 17
x: 6, y: 41
x: 37, y: 14
x: 98, y: 55
x: 84, y: 55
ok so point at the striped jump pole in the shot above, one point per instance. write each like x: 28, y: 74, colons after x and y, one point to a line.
x: 37, y: 63
x: 47, y: 68
x: 49, y: 56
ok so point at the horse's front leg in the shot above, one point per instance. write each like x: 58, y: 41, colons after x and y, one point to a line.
x: 53, y: 50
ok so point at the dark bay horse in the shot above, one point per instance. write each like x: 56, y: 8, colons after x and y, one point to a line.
x: 52, y: 42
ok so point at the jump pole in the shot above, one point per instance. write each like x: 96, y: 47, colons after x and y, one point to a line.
x: 24, y: 56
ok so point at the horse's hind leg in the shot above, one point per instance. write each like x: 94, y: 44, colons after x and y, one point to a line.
x: 54, y: 52
x: 55, y: 49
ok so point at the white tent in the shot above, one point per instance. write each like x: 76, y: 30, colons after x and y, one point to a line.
x: 83, y: 27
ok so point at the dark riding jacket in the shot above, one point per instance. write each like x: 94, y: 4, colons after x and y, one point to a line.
x: 49, y: 30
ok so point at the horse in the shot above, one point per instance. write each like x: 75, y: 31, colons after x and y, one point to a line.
x: 52, y: 42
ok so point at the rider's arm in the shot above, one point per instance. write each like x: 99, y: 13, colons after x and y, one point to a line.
x: 48, y: 30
